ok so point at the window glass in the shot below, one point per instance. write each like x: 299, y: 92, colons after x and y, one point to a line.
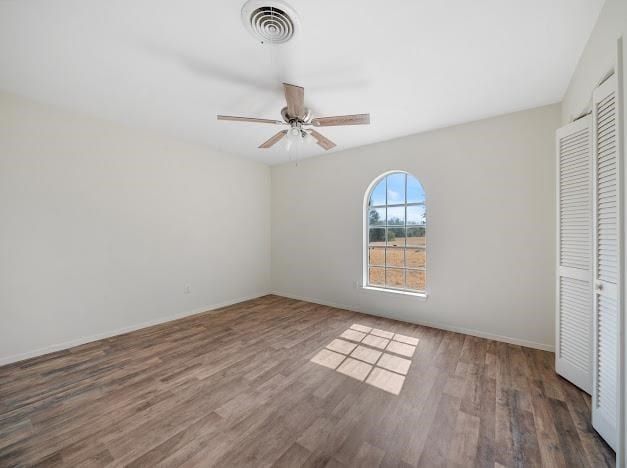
x: 415, y: 258
x: 396, y: 216
x: 395, y: 257
x: 396, y: 237
x: 396, y: 188
x: 376, y: 236
x: 415, y: 193
x: 395, y: 278
x: 416, y: 280
x: 397, y: 234
x: 376, y: 276
x: 376, y: 216
x: 416, y: 214
x: 377, y: 198
x: 376, y: 256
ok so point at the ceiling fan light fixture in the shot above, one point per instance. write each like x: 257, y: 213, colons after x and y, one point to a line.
x: 293, y: 137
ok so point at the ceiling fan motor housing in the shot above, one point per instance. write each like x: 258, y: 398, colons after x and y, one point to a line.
x: 288, y: 118
x: 270, y: 21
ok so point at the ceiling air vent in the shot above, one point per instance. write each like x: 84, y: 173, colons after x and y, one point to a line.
x: 270, y: 21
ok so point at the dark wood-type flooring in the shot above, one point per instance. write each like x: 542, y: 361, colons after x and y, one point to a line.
x: 237, y: 388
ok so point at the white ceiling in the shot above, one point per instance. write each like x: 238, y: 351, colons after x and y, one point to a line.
x: 172, y: 65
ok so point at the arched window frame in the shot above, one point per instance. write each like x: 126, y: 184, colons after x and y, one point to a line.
x: 366, y: 244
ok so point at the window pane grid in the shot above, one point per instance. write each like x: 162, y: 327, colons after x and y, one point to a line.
x: 398, y: 268
x: 392, y: 205
x: 396, y: 234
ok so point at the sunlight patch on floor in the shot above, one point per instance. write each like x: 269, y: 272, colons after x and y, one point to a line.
x: 376, y: 360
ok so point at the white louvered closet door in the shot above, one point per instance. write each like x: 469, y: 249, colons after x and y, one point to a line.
x: 573, y: 356
x: 607, y: 261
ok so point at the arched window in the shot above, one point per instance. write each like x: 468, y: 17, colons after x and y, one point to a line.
x: 395, y: 250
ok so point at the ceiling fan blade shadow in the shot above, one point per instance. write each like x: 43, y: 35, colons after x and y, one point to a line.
x: 207, y: 69
x: 340, y: 86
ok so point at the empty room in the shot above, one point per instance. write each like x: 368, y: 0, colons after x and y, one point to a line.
x: 285, y: 233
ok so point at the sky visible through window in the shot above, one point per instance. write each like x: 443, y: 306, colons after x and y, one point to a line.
x: 396, y: 191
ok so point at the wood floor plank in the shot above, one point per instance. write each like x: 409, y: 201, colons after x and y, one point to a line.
x: 236, y: 387
x: 546, y: 430
x: 463, y: 449
x: 485, y: 455
x: 442, y: 432
x: 573, y: 451
x: 295, y: 455
x: 368, y: 455
x: 598, y: 453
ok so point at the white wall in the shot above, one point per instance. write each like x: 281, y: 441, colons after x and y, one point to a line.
x: 101, y: 227
x: 491, y: 226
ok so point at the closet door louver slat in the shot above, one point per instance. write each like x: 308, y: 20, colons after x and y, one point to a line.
x: 606, y: 265
x: 573, y: 357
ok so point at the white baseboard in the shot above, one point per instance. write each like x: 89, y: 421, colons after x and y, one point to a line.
x: 441, y: 326
x: 120, y: 331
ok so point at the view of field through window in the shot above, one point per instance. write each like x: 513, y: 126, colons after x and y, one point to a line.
x: 397, y: 233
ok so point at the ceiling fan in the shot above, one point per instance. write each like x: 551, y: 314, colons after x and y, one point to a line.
x: 299, y: 119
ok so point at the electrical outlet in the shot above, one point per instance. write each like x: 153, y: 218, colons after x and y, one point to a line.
x: 187, y: 289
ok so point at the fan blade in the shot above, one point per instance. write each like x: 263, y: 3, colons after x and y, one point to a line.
x: 356, y: 119
x: 295, y: 98
x: 273, y: 140
x: 249, y: 119
x: 322, y: 140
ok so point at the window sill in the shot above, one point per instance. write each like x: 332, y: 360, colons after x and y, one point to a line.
x: 420, y: 295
